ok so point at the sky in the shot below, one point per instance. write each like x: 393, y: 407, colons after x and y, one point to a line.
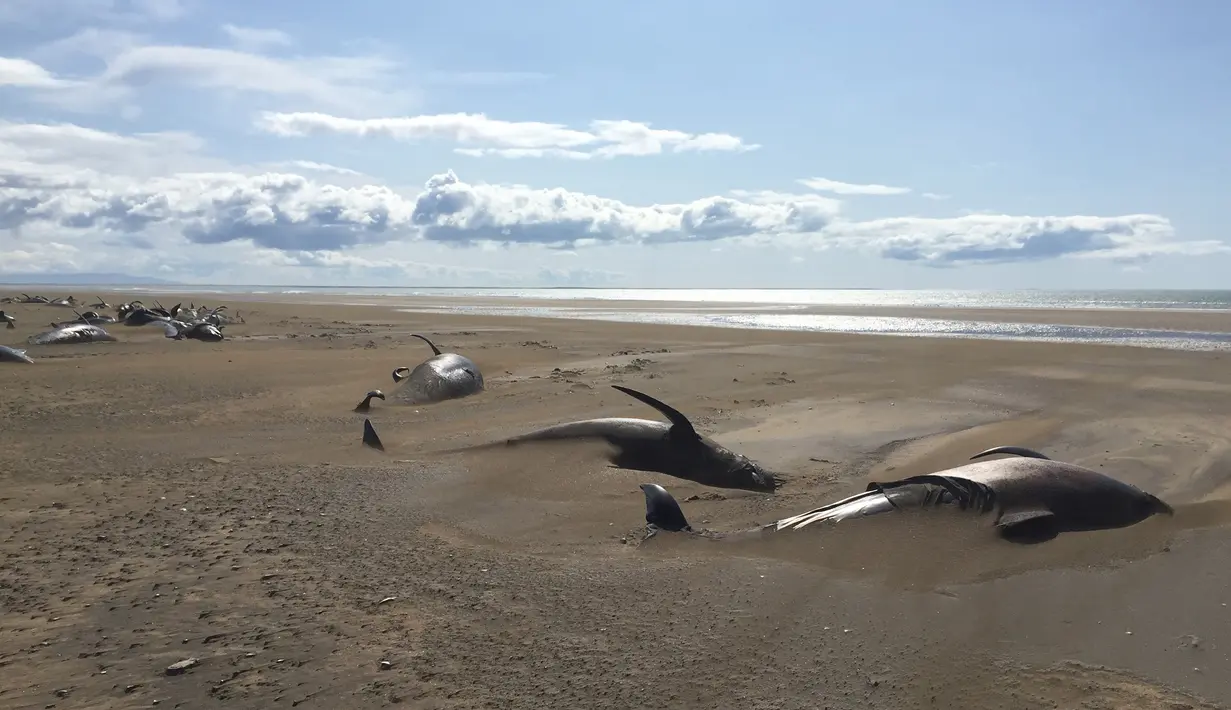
x: 845, y: 144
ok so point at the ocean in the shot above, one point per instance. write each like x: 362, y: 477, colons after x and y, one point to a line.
x: 786, y: 309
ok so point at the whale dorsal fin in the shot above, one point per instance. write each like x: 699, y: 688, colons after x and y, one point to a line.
x: 1011, y: 450
x: 400, y: 373
x: 679, y: 423
x: 661, y: 510
x: 370, y: 438
x: 435, y: 350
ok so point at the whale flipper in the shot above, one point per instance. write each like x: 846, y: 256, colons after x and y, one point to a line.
x: 370, y: 438
x: 1011, y: 450
x: 680, y: 426
x: 915, y: 492
x: 400, y: 373
x: 661, y: 509
x: 1028, y: 527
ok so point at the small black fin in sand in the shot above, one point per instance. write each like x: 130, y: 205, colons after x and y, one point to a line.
x: 400, y: 373
x: 1012, y: 451
x: 370, y: 438
x: 435, y: 350
x: 661, y: 510
x: 679, y: 423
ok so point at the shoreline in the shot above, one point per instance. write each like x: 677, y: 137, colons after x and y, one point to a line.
x: 1166, y: 328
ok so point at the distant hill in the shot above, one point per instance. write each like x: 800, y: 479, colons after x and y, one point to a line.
x: 82, y: 279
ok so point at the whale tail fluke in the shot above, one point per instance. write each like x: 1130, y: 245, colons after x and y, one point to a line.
x: 661, y: 509
x: 370, y: 438
x: 366, y: 404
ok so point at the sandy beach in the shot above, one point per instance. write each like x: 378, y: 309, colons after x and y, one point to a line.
x: 170, y: 500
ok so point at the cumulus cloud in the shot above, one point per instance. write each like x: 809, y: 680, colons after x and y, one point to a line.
x: 167, y: 205
x: 984, y: 238
x: 477, y: 135
x: 850, y: 188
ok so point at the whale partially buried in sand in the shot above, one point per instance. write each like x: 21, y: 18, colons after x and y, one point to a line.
x: 440, y: 377
x: 1028, y: 500
x: 673, y: 447
x: 75, y: 333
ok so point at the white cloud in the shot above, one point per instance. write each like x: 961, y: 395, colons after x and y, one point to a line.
x: 315, y: 166
x: 71, y: 195
x: 254, y: 39
x: 935, y: 196
x: 359, y: 82
x: 478, y: 135
x: 22, y: 72
x: 984, y: 238
x: 850, y: 188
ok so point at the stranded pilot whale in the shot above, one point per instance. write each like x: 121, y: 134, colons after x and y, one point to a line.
x: 76, y: 333
x: 674, y: 448
x: 440, y: 377
x: 1031, y: 499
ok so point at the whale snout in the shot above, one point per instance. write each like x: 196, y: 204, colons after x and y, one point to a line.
x: 753, y: 477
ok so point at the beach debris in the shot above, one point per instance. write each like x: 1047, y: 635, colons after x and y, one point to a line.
x: 386, y: 665
x: 182, y: 666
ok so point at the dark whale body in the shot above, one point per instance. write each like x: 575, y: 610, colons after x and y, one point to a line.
x: 443, y: 376
x: 1029, y: 500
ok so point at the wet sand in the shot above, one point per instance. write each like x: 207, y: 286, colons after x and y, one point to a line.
x: 168, y: 500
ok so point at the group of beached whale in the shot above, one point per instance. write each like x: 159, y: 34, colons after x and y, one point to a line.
x: 1027, y: 498
x: 177, y: 322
